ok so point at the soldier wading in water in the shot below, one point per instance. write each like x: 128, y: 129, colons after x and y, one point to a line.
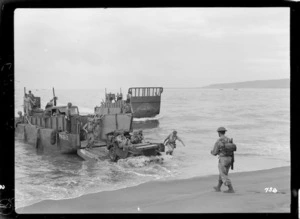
x: 170, y: 141
x: 225, y: 159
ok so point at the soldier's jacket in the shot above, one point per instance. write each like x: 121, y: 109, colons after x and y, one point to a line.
x: 219, y: 147
x: 90, y: 127
x: 171, y: 139
x: 122, y: 141
x: 97, y: 131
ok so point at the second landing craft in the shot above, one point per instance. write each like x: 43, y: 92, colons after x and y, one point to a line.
x: 142, y: 102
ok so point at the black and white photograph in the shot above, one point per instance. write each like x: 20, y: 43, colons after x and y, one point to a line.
x: 152, y: 110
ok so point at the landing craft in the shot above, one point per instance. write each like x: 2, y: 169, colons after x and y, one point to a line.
x: 142, y: 102
x: 55, y: 129
x: 50, y: 129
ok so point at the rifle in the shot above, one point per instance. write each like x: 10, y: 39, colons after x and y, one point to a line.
x: 232, y: 161
x: 54, y: 99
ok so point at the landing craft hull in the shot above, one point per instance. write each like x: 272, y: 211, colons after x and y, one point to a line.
x: 40, y: 138
x: 101, y: 153
x: 93, y: 154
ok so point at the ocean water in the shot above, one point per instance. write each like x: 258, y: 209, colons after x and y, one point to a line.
x: 258, y: 120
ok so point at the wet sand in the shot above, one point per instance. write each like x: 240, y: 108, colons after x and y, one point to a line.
x: 194, y: 195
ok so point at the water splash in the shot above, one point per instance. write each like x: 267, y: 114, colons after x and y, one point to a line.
x: 157, y: 117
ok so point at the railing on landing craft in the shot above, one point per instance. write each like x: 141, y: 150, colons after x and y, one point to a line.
x: 118, y: 104
x: 55, y: 122
x: 145, y: 91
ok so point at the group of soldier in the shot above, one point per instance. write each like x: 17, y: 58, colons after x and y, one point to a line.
x: 128, y: 140
x: 124, y: 141
x: 111, y: 98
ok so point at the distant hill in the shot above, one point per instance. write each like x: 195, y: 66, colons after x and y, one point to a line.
x: 280, y: 83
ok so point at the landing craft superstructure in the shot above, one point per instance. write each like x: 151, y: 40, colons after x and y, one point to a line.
x: 56, y: 129
x: 50, y: 132
x: 51, y: 129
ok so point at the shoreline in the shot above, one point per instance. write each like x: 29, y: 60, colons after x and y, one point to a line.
x: 192, y: 195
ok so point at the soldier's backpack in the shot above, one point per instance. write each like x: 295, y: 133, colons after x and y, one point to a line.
x: 230, y: 146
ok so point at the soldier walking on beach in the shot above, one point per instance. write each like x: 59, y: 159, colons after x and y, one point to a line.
x: 170, y: 142
x: 225, y: 160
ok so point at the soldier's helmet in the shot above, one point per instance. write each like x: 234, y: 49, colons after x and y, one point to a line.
x: 221, y: 129
x: 20, y: 113
x: 174, y: 132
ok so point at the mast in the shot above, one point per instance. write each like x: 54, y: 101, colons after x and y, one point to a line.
x: 54, y: 99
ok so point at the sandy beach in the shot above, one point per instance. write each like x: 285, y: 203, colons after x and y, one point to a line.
x: 194, y: 195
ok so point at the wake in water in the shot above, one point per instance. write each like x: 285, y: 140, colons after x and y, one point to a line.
x: 62, y: 177
x: 140, y: 161
x: 157, y: 117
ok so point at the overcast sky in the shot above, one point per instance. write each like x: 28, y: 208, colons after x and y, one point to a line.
x: 169, y: 47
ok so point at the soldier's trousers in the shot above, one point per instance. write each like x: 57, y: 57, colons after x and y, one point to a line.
x: 171, y: 148
x: 224, y: 166
x: 69, y: 125
x: 90, y: 138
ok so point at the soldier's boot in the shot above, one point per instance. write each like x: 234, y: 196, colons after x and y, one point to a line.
x: 218, y: 187
x: 88, y: 145
x: 230, y: 189
x: 169, y: 152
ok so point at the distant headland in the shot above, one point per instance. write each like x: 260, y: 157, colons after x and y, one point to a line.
x: 279, y: 83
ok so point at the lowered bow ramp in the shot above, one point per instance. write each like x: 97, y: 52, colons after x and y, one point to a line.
x: 96, y: 153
